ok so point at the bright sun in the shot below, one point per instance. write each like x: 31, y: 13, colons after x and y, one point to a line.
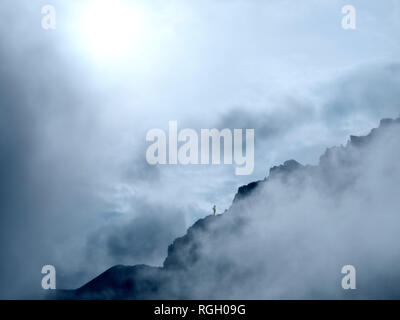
x: 111, y: 29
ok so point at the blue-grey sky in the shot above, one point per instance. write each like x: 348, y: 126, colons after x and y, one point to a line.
x: 77, y: 101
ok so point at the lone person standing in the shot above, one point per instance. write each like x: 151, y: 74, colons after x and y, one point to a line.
x: 214, y: 209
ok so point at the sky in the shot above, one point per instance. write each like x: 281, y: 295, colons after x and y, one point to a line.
x: 77, y: 101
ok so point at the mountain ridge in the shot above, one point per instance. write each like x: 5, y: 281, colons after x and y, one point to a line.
x: 186, y: 255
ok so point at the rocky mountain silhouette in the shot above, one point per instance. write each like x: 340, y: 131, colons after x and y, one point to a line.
x: 209, y: 262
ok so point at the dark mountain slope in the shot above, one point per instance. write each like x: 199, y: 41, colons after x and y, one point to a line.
x: 286, y: 236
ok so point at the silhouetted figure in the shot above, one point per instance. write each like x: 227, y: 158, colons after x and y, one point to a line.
x: 214, y: 209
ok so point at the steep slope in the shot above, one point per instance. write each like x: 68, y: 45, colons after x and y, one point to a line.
x: 286, y: 236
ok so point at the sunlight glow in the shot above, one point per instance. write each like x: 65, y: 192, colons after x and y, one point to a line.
x: 112, y: 30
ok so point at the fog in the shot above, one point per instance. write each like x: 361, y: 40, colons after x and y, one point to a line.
x: 76, y: 190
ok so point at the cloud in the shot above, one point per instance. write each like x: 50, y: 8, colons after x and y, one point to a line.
x: 72, y: 132
x: 141, y: 240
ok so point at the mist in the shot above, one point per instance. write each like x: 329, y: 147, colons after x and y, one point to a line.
x: 76, y: 190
